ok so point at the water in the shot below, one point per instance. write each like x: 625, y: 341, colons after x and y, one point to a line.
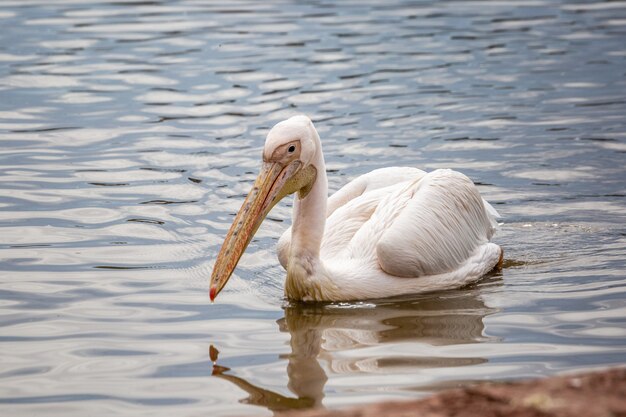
x: 130, y: 131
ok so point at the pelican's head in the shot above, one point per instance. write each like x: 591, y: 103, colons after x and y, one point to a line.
x: 287, y: 168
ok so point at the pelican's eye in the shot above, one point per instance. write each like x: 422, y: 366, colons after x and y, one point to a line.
x: 292, y: 149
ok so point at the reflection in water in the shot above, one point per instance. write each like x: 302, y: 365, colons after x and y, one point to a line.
x: 265, y: 398
x: 326, y: 340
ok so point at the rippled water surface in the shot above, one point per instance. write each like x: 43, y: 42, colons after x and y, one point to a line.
x: 130, y: 130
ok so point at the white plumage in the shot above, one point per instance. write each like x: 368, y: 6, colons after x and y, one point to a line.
x: 392, y: 231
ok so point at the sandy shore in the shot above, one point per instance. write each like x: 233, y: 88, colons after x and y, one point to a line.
x: 601, y: 394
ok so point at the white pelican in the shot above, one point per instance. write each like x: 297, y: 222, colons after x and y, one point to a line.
x: 392, y: 231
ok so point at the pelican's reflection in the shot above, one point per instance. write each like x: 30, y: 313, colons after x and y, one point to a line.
x: 329, y: 336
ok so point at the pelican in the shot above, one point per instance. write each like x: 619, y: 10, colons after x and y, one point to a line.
x: 393, y: 231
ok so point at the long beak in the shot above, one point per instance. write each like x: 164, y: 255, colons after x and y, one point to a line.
x: 267, y: 190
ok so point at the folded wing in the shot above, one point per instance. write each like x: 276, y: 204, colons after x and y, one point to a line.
x: 351, y: 206
x: 443, y: 224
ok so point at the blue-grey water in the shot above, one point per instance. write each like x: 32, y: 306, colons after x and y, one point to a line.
x: 130, y: 131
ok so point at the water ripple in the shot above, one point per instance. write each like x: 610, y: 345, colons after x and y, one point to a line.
x: 130, y: 133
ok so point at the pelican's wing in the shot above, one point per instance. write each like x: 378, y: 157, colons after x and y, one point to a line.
x: 354, y: 204
x: 373, y: 180
x: 357, y: 200
x: 438, y: 228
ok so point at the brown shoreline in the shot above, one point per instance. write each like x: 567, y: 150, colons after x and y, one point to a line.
x: 593, y: 394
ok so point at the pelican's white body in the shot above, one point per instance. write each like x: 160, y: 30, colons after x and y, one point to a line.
x: 392, y: 231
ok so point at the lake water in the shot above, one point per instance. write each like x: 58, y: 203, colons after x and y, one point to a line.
x: 130, y: 131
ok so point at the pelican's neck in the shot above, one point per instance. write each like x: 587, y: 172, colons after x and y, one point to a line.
x: 309, y: 216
